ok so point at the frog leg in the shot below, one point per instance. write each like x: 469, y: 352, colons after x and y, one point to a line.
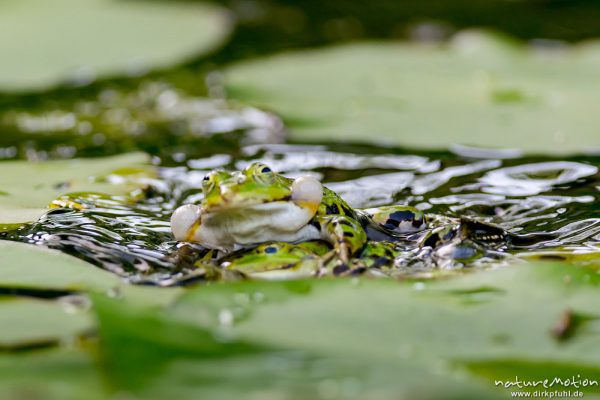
x: 399, y: 219
x: 346, y: 235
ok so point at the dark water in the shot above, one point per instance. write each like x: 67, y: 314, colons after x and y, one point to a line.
x: 550, y: 203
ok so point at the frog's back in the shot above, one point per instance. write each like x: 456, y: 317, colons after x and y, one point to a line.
x: 333, y: 204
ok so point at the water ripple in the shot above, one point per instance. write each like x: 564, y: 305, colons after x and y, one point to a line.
x: 548, y: 206
x: 532, y: 179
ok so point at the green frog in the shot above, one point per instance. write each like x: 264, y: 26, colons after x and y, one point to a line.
x: 280, y: 260
x: 277, y: 260
x: 246, y: 208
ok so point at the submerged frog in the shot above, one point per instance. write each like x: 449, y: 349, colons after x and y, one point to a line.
x: 277, y: 260
x: 246, y: 208
x: 449, y: 244
x: 280, y: 260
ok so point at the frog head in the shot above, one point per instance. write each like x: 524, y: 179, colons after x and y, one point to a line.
x: 255, y: 185
x: 278, y: 260
x: 245, y: 203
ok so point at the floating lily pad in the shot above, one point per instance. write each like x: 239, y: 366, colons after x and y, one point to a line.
x: 462, y: 318
x: 56, y: 374
x: 438, y: 340
x: 477, y: 90
x: 156, y: 356
x: 34, y: 267
x: 447, y: 326
x: 45, y: 43
x: 24, y: 266
x: 28, y: 188
x: 30, y: 322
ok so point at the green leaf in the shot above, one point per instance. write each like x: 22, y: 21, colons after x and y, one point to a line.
x: 56, y: 374
x: 511, y: 313
x: 29, y: 187
x: 44, y: 44
x: 446, y: 319
x: 156, y: 356
x: 24, y: 266
x: 296, y: 375
x: 137, y: 343
x: 33, y: 267
x: 28, y: 322
x: 477, y: 90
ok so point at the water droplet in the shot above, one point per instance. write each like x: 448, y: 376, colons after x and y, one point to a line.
x: 226, y: 318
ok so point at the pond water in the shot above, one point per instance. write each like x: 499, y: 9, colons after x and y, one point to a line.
x: 548, y: 203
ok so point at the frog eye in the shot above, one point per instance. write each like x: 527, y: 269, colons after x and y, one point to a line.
x: 262, y: 173
x: 208, y: 182
x: 271, y: 249
x: 258, y: 168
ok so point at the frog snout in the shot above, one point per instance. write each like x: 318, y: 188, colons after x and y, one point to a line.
x: 183, y: 219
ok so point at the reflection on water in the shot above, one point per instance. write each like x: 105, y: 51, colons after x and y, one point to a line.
x: 549, y: 205
x: 532, y: 179
x: 156, y: 118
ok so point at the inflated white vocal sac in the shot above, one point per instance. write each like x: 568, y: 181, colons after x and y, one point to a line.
x: 183, y: 219
x: 307, y: 190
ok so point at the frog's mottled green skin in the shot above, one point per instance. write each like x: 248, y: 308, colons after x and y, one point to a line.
x: 287, y: 260
x: 447, y: 245
x: 398, y: 218
x: 278, y: 260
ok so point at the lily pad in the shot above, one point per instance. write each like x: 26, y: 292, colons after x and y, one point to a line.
x: 477, y: 90
x: 30, y: 267
x: 55, y: 374
x: 28, y: 187
x: 155, y: 356
x: 24, y: 266
x: 459, y: 319
x: 376, y: 339
x: 447, y: 326
x: 29, y: 322
x: 44, y: 44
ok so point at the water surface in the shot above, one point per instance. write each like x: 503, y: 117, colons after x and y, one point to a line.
x: 550, y: 203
